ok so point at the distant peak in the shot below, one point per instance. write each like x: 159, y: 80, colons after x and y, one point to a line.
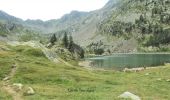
x: 75, y: 12
x: 110, y: 3
x: 2, y: 12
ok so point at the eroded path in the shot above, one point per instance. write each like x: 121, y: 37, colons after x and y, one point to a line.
x: 8, y: 87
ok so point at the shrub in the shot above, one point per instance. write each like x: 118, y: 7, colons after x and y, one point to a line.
x: 34, y: 52
x: 99, y: 51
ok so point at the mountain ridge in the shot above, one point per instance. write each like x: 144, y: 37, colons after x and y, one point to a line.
x: 50, y: 25
x: 117, y: 24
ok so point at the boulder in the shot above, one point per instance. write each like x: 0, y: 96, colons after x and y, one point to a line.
x: 128, y: 95
x: 159, y: 79
x: 18, y: 86
x: 49, y: 45
x: 168, y: 80
x: 6, y: 78
x: 30, y: 91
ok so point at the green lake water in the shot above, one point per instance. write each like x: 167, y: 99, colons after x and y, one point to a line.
x: 120, y: 61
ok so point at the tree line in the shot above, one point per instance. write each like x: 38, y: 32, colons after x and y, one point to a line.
x: 69, y: 44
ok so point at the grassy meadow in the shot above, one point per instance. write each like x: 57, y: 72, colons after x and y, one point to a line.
x: 53, y: 81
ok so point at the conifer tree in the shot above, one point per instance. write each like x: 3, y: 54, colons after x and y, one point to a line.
x: 71, y: 42
x: 65, y: 40
x: 53, y: 39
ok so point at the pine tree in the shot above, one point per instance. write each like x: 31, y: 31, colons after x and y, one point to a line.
x: 82, y: 54
x: 53, y: 39
x: 65, y: 40
x: 71, y: 42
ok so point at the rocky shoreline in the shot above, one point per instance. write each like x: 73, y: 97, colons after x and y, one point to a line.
x: 88, y: 65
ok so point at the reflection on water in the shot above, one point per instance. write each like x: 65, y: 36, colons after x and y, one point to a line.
x: 120, y: 61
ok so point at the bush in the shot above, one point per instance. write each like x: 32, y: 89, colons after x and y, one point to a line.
x: 99, y: 51
x: 160, y: 38
x: 34, y: 52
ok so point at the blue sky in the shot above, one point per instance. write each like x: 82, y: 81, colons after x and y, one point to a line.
x: 47, y: 9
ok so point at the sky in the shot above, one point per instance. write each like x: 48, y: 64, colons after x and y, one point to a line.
x: 47, y: 9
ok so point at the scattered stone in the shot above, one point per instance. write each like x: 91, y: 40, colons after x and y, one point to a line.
x: 49, y: 45
x: 30, y: 91
x: 6, y: 78
x: 85, y: 64
x: 147, y: 74
x: 14, y: 66
x: 133, y: 69
x: 168, y: 80
x: 18, y: 86
x: 128, y: 95
x: 159, y: 79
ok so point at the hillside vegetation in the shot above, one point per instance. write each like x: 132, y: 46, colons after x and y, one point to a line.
x: 144, y: 21
x: 62, y: 82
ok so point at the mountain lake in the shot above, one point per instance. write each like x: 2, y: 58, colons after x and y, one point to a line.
x: 121, y: 61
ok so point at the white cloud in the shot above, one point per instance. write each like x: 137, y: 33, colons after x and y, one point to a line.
x: 47, y: 9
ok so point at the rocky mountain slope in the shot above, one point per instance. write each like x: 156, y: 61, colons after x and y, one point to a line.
x: 82, y: 25
x: 121, y: 26
x: 138, y: 25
